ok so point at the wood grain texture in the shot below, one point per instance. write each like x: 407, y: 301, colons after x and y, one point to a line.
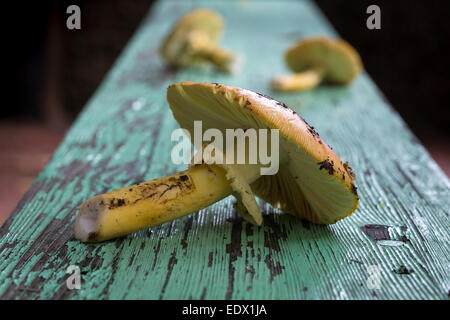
x: 123, y: 137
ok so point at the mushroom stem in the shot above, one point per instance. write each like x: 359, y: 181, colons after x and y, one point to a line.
x: 222, y: 59
x: 207, y: 50
x: 150, y: 203
x: 298, y: 81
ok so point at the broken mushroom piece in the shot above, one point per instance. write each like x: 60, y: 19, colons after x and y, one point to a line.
x: 311, y: 183
x: 194, y: 39
x: 318, y: 60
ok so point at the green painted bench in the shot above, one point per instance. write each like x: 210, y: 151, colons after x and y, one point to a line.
x: 396, y: 245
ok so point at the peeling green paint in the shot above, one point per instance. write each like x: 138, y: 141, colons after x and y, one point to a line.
x: 123, y: 136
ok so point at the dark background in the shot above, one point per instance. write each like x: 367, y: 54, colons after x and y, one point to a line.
x: 409, y: 57
x: 51, y: 71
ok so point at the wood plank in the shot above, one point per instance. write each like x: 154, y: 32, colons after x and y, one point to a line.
x: 123, y: 137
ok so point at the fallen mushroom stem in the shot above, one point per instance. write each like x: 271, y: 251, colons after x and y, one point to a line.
x: 126, y: 210
x: 208, y: 51
x: 221, y: 58
x: 298, y: 81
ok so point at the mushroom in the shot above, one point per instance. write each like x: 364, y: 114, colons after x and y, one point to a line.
x: 317, y: 60
x: 312, y: 182
x: 194, y: 39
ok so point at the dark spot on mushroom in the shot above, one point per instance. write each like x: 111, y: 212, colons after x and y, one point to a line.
x: 282, y: 104
x: 349, y: 170
x: 311, y: 129
x: 92, y: 236
x: 265, y: 96
x: 277, y: 102
x: 115, y: 203
x: 248, y: 102
x: 169, y: 188
x: 184, y: 177
x: 354, y: 190
x: 131, y: 189
x: 327, y: 165
x: 313, y: 132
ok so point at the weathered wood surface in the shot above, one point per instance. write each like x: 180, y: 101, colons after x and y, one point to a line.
x: 123, y: 136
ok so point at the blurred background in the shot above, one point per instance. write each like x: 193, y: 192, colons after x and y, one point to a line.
x: 52, y: 71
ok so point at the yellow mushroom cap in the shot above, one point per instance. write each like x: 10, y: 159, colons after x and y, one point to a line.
x: 312, y: 182
x: 204, y: 22
x: 337, y: 59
